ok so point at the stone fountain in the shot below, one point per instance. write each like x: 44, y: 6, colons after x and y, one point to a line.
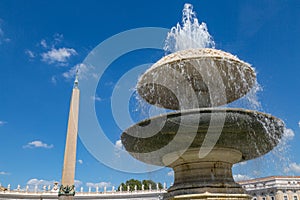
x: 201, y: 140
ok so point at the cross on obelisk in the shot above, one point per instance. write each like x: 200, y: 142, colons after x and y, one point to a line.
x: 67, y: 188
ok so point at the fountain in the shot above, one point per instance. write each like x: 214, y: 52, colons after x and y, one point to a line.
x: 201, y: 140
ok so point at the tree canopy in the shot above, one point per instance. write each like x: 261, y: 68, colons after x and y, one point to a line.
x: 134, y: 184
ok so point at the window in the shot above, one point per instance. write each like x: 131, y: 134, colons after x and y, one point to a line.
x: 272, y: 198
x: 264, y: 198
x: 285, y: 197
x: 295, y: 197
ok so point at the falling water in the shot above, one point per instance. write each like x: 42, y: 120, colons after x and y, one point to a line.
x: 190, y: 34
x: 250, y: 100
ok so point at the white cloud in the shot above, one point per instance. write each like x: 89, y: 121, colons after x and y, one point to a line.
x: 4, y: 173
x: 83, y: 73
x: 171, y: 173
x: 38, y: 184
x: 59, y: 56
x: 38, y: 144
x: 80, y: 161
x: 243, y: 163
x: 299, y: 123
x: 96, y: 98
x: 2, y: 123
x: 72, y: 72
x: 1, y: 32
x: 288, y: 134
x: 293, y: 167
x: 41, y: 182
x: 257, y: 173
x: 43, y: 43
x: 110, y: 83
x: 241, y: 177
x: 283, y: 147
x: 100, y: 184
x: 119, y: 148
x: 2, y: 35
x: 77, y: 183
x: 58, y: 38
x: 6, y: 39
x: 53, y: 79
x: 118, y: 144
x: 82, y: 68
x: 30, y: 53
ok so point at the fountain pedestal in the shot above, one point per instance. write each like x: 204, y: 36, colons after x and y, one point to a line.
x: 205, y: 178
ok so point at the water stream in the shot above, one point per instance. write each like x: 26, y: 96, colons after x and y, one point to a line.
x: 190, y: 34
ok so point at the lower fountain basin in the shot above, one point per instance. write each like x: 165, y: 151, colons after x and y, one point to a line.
x: 249, y: 132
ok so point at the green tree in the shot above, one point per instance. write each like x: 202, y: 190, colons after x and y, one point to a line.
x: 123, y: 186
x: 132, y: 183
x: 147, y: 184
x: 160, y: 186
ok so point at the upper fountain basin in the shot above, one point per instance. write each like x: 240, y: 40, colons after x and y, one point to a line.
x: 196, y: 78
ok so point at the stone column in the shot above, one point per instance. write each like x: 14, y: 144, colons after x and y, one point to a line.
x: 205, y: 178
x: 67, y: 188
x: 279, y: 195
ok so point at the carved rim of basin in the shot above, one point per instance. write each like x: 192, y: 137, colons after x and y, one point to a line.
x: 211, y: 77
x: 250, y: 132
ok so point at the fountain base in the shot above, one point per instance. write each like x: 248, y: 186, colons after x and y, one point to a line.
x: 209, y: 177
x: 212, y: 196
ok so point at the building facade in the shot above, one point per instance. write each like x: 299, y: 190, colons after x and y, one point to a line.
x: 273, y: 188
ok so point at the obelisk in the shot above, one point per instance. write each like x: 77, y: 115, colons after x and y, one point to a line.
x: 67, y: 188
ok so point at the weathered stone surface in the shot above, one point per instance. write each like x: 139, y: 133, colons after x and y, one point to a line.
x: 211, y: 196
x: 196, y: 78
x: 250, y: 132
x: 67, y: 189
x: 194, y: 175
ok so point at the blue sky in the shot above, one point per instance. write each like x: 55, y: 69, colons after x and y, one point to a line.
x: 42, y: 41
